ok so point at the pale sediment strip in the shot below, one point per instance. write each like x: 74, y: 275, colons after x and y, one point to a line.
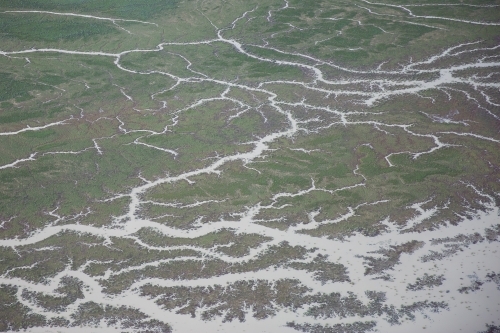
x: 36, y: 128
x: 433, y: 17
x: 16, y: 162
x: 113, y: 20
x: 348, y: 252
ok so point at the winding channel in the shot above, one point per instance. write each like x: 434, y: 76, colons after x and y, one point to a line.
x: 367, y: 88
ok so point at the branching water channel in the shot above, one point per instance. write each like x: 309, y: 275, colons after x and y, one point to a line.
x: 293, y: 278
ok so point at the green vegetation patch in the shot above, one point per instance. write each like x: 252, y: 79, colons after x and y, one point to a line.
x: 16, y: 316
x: 12, y: 87
x: 127, y: 9
x: 46, y: 28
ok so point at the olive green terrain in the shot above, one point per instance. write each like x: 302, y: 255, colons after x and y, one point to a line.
x: 122, y: 110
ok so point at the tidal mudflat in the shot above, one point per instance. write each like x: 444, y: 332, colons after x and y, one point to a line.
x: 283, y: 166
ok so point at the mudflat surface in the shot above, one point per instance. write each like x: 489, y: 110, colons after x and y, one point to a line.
x: 249, y: 166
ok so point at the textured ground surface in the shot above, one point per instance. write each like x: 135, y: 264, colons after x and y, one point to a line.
x: 258, y: 166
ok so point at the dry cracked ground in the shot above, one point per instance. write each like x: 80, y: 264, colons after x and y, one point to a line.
x: 250, y: 166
